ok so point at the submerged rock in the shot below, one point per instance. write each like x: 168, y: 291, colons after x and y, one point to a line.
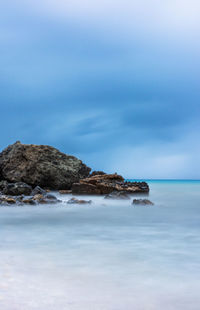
x: 65, y: 191
x: 45, y: 199
x: 117, y: 195
x: 106, y: 184
x: 143, y: 202
x: 29, y: 201
x: 38, y: 190
x: 40, y: 165
x: 21, y: 200
x: 77, y: 201
x: 6, y: 200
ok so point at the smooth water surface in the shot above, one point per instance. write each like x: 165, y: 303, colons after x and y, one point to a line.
x: 105, y: 256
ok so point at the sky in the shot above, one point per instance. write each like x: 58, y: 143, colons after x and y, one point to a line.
x: 115, y: 83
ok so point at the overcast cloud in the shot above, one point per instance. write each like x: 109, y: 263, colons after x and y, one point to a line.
x: 115, y: 83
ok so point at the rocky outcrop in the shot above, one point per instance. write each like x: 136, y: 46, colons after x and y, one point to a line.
x: 41, y: 165
x: 25, y: 169
x: 106, y: 184
x: 142, y: 202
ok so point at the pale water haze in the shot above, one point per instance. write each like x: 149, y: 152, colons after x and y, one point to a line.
x: 108, y: 255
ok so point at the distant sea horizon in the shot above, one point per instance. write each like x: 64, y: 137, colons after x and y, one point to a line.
x: 162, y: 180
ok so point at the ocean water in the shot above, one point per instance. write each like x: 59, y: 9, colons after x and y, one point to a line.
x: 105, y: 256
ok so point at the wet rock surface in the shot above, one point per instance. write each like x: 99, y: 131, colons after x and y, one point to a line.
x: 38, y: 190
x: 117, y: 195
x: 77, y: 201
x: 106, y: 184
x: 15, y: 189
x: 40, y: 165
x: 43, y: 198
x: 7, y: 200
x: 142, y: 202
x: 65, y: 191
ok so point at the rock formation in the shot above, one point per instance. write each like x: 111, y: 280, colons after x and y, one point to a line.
x: 28, y: 172
x: 40, y: 165
x: 106, y: 184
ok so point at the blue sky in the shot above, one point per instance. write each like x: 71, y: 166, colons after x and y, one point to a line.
x: 115, y: 83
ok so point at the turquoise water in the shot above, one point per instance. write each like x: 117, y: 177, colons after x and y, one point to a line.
x: 107, y: 256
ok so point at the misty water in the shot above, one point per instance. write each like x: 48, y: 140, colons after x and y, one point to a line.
x: 108, y: 255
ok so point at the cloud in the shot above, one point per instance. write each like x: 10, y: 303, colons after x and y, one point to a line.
x: 115, y: 83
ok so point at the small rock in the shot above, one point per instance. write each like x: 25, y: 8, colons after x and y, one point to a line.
x: 46, y: 199
x: 65, y: 191
x: 38, y: 190
x: 38, y: 197
x: 10, y: 200
x: 3, y: 184
x: 77, y: 201
x: 117, y: 195
x: 51, y: 197
x: 16, y: 189
x: 7, y: 200
x: 143, y: 202
x: 29, y: 201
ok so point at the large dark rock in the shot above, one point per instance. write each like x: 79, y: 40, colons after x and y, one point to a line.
x: 108, y: 183
x: 41, y: 165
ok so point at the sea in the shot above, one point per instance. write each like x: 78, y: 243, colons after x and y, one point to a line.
x: 109, y: 255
